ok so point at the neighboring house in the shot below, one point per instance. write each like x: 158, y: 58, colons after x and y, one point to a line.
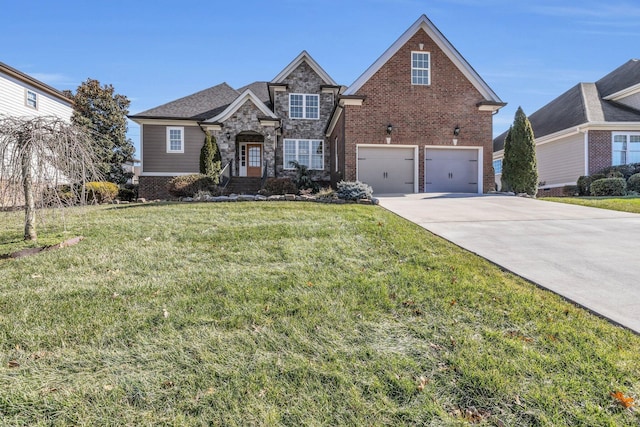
x: 419, y: 119
x: 587, y: 128
x: 23, y: 96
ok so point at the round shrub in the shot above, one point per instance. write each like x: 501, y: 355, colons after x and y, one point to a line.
x: 101, y: 191
x: 279, y: 186
x: 633, y: 184
x: 609, y: 187
x: 353, y: 190
x: 190, y: 185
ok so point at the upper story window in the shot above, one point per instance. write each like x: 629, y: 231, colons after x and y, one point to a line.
x: 31, y: 99
x: 304, y: 106
x: 175, y: 140
x: 420, y: 68
x: 497, y: 166
x: 626, y: 148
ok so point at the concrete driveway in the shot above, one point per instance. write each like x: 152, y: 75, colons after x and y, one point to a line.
x: 590, y: 256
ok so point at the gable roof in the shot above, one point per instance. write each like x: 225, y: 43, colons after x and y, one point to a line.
x: 619, y: 80
x: 423, y: 23
x: 585, y: 103
x: 304, y: 57
x: 25, y: 78
x: 247, y: 95
x: 197, y: 106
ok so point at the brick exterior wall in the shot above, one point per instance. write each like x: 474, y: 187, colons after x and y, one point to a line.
x: 154, y: 187
x: 420, y: 115
x: 303, y: 80
x: 599, y: 150
x: 337, y: 139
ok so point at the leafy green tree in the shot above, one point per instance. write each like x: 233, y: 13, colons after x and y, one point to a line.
x: 104, y: 113
x: 519, y: 168
x: 210, y: 158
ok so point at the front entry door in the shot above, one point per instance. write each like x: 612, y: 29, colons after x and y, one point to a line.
x: 254, y: 159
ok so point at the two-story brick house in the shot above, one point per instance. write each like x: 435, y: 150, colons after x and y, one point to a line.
x: 418, y: 120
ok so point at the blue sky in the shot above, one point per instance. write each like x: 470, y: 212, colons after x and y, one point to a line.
x: 155, y: 52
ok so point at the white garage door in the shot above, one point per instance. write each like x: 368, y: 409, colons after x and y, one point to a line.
x: 387, y: 169
x: 451, y: 171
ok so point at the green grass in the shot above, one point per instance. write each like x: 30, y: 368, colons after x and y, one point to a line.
x: 290, y: 314
x: 624, y: 204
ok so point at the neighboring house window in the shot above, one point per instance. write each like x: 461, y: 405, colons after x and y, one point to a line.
x: 626, y: 149
x: 497, y: 166
x: 420, y: 68
x: 175, y: 140
x: 32, y: 99
x: 303, y: 106
x: 307, y: 152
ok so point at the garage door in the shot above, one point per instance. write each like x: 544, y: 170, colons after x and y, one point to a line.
x: 451, y: 171
x: 387, y: 169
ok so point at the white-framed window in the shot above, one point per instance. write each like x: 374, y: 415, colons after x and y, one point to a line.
x: 626, y: 148
x: 304, y: 106
x: 175, y: 139
x: 497, y: 166
x: 420, y: 68
x: 307, y: 152
x: 31, y: 99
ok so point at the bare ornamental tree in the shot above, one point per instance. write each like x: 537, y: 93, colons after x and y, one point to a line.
x: 40, y: 156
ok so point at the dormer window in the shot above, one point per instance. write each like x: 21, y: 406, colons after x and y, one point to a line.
x: 304, y: 106
x: 420, y: 68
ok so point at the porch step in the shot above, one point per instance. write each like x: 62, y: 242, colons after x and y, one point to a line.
x: 243, y: 185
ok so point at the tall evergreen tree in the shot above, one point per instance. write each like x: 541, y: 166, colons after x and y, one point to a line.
x: 519, y: 168
x: 210, y: 157
x: 104, y: 113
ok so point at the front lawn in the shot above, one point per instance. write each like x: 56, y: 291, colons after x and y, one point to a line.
x: 278, y: 313
x: 624, y: 204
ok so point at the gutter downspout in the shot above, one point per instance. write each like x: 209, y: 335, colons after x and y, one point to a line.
x: 585, y: 132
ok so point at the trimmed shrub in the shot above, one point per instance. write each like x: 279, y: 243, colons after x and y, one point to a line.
x: 353, y: 190
x: 64, y: 195
x: 101, y: 191
x: 625, y: 170
x: 609, y: 187
x: 189, y: 185
x: 633, y: 183
x: 303, y: 178
x: 279, y: 186
x: 570, y: 190
x: 584, y: 183
x: 127, y: 195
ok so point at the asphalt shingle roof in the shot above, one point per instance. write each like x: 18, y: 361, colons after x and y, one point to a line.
x: 584, y: 103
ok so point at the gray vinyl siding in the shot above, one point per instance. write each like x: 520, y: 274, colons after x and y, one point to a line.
x: 154, y: 149
x: 561, y: 162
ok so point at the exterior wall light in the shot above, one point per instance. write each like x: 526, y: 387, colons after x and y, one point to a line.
x: 389, y: 130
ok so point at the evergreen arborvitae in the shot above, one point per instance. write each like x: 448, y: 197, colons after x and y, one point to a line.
x: 519, y: 168
x: 206, y: 156
x: 210, y: 158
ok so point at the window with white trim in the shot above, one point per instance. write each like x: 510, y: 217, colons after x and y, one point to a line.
x: 304, y: 106
x: 31, y: 99
x: 497, y: 166
x: 175, y: 139
x: 420, y: 68
x: 626, y: 148
x: 307, y: 152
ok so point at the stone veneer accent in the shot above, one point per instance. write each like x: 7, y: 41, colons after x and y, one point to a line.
x: 303, y: 80
x: 245, y: 122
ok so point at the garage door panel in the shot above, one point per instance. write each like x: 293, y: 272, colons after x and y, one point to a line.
x: 451, y: 171
x: 387, y: 169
